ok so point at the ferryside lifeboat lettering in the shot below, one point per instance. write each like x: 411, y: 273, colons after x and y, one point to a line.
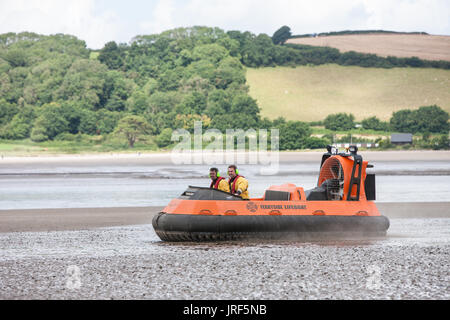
x: 294, y: 206
x: 279, y: 206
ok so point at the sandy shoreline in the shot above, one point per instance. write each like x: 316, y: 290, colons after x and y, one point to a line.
x: 74, y: 218
x: 166, y: 158
x: 91, y: 218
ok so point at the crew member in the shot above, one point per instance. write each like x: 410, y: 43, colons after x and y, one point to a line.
x: 218, y: 182
x: 238, y: 184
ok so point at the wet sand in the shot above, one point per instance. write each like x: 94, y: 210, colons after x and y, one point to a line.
x: 114, y: 253
x: 91, y: 218
x: 129, y: 159
x: 73, y: 218
x: 129, y: 262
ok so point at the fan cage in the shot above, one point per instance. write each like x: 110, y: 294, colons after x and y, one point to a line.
x: 332, y: 177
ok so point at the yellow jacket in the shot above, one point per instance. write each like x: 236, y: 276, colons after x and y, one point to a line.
x: 240, y: 184
x: 222, y: 186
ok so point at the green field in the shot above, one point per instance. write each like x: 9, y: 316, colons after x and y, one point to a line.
x: 310, y: 93
x: 27, y: 147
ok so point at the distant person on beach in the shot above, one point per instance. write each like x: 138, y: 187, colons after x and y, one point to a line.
x: 238, y: 184
x: 218, y: 182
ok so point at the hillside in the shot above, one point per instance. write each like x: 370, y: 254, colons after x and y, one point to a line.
x: 429, y: 47
x: 310, y: 93
x: 56, y: 92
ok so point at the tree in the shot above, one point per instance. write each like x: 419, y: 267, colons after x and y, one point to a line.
x: 116, y: 90
x: 281, y: 35
x: 170, y: 80
x: 133, y: 127
x: 161, y: 120
x: 111, y: 55
x: 194, y: 102
x: 222, y: 122
x: 373, y: 123
x: 218, y: 102
x: 244, y: 104
x: 71, y: 111
x: 38, y: 134
x: 425, y: 119
x: 84, y: 82
x: 16, y: 57
x: 431, y: 119
x: 316, y: 143
x: 7, y: 111
x: 107, y: 121
x: 49, y: 123
x: 18, y: 128
x: 340, y: 121
x: 401, y: 121
x: 138, y: 102
x: 441, y: 142
x: 163, y: 101
x: 88, y: 122
x: 164, y: 138
x: 20, y: 125
x: 203, y: 69
x: 293, y: 135
x: 229, y: 71
x: 210, y: 52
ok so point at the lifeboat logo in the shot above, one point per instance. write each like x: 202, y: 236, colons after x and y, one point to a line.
x: 252, y: 207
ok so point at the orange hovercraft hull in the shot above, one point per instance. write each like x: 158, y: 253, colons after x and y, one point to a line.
x: 339, y: 207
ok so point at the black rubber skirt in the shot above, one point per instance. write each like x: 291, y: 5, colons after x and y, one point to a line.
x: 186, y: 227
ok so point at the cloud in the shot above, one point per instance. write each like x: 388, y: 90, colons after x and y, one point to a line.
x: 252, y: 15
x: 162, y: 18
x: 409, y: 15
x: 75, y: 17
x: 303, y: 16
x: 100, y: 21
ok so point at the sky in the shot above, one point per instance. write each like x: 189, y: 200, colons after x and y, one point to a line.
x: 100, y: 21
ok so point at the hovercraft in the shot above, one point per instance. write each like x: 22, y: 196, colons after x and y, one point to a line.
x: 341, y: 205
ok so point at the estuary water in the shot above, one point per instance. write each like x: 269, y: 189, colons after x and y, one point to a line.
x: 77, y: 186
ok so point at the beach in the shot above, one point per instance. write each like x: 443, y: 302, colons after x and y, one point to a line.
x: 74, y: 218
x: 114, y: 253
x: 166, y: 158
x: 130, y: 262
x: 47, y: 220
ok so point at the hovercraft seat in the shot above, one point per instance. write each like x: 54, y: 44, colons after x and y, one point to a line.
x: 324, y: 192
x: 273, y: 195
x: 201, y: 193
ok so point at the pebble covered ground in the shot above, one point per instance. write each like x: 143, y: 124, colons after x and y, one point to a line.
x: 130, y: 262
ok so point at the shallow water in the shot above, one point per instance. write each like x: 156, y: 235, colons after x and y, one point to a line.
x: 46, y: 186
x: 131, y: 263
